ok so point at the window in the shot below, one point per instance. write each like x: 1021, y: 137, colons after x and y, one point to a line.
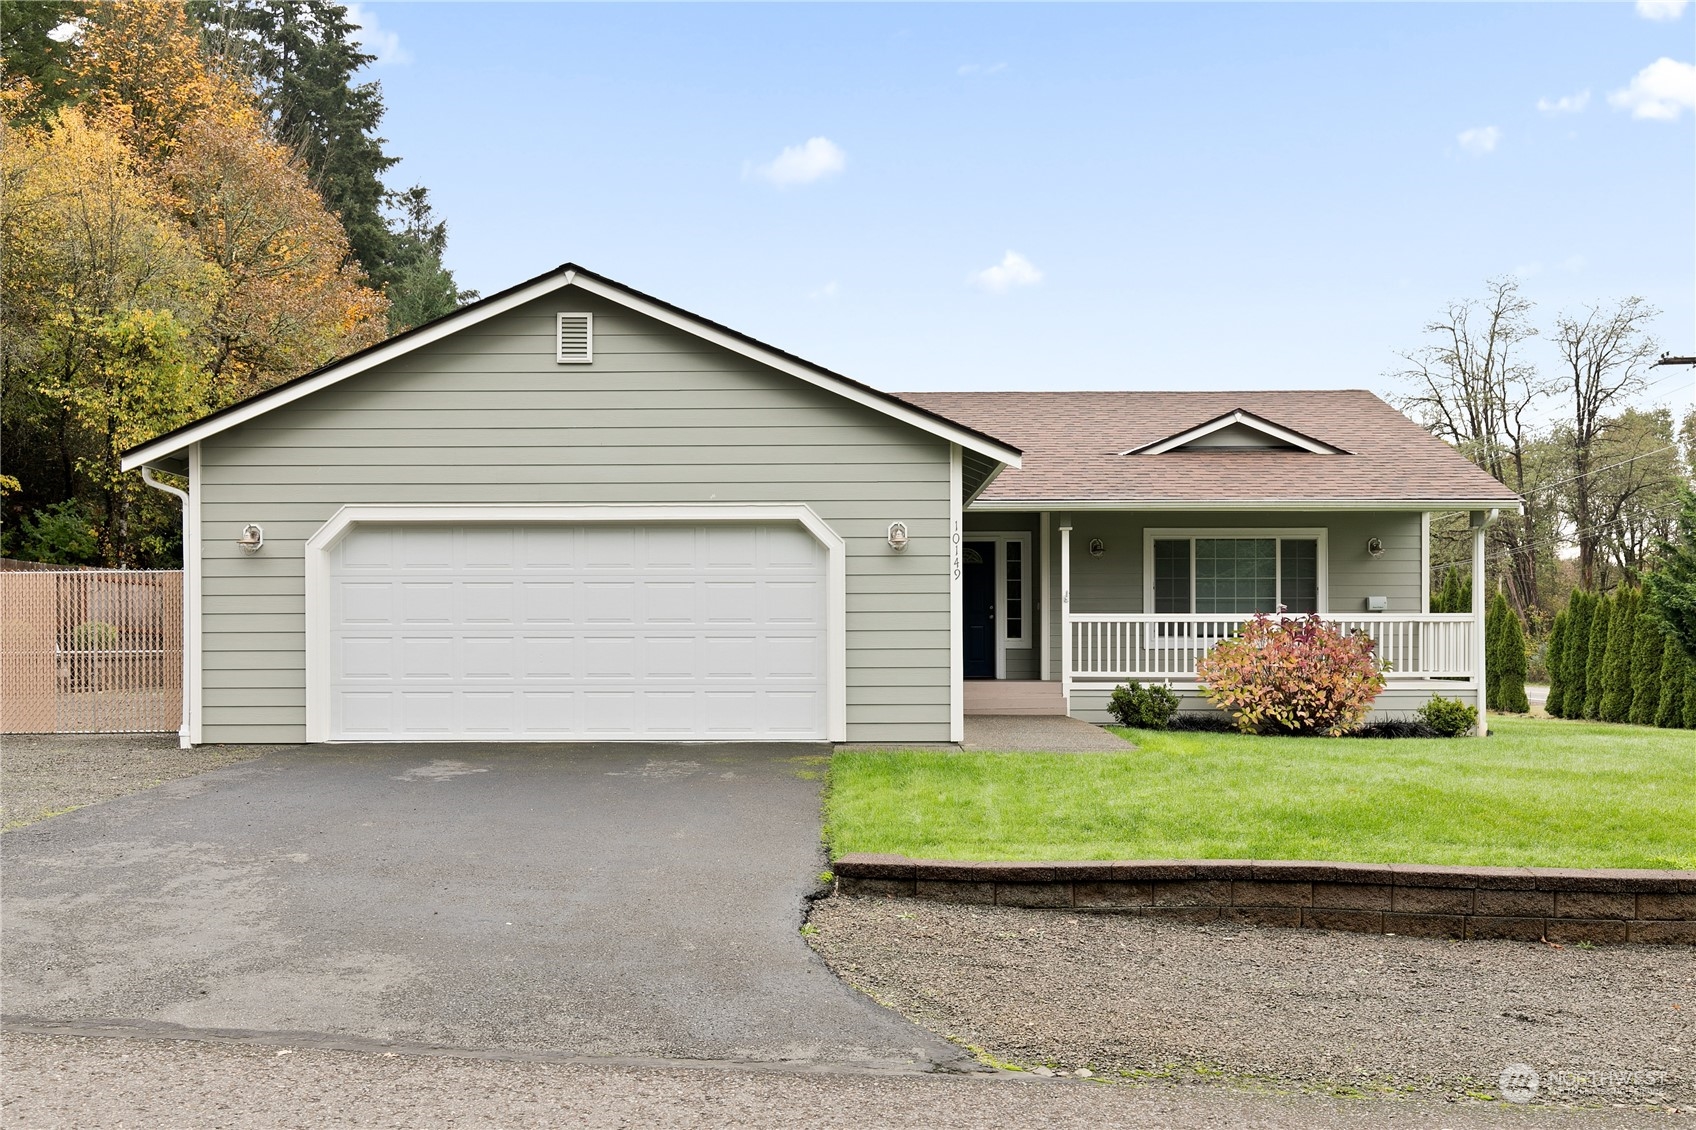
x: 1237, y: 575
x: 1013, y: 620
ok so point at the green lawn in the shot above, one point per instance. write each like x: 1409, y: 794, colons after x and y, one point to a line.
x: 1537, y: 792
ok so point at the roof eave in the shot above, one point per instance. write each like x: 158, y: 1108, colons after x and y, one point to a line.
x: 1411, y: 504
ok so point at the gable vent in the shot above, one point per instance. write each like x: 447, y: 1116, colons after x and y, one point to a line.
x: 576, y: 339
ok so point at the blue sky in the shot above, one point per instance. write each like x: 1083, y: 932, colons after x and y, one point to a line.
x: 1193, y: 196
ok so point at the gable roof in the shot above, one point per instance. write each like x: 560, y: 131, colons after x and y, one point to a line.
x: 1238, y: 421
x: 568, y: 275
x: 1079, y: 449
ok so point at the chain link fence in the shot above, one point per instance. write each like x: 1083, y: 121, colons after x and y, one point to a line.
x: 90, y: 651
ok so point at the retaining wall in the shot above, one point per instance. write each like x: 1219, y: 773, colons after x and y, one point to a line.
x: 1524, y: 903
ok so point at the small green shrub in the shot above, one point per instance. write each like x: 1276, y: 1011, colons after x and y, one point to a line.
x: 94, y: 636
x: 1506, y: 664
x: 1448, y: 717
x: 1150, y: 707
x: 1292, y: 676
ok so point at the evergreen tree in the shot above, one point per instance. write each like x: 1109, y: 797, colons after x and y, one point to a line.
x: 1510, y: 660
x: 1616, y: 661
x: 1594, y: 652
x: 1493, y: 652
x: 1669, y: 715
x: 420, y: 288
x: 1671, y: 588
x: 29, y: 52
x: 1453, y: 596
x: 1581, y: 610
x: 1646, y: 652
x: 1689, y: 693
x: 1555, y: 660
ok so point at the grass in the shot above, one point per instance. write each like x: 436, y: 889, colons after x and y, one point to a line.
x: 1537, y: 792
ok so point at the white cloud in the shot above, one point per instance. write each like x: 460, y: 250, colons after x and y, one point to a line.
x: 817, y: 158
x: 1566, y: 104
x: 1479, y: 140
x: 1013, y: 270
x: 1661, y: 9
x: 968, y: 69
x: 1660, y: 91
x: 373, y: 40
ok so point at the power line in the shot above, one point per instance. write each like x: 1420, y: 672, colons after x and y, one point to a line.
x: 1566, y: 536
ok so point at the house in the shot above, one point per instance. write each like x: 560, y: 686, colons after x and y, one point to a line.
x: 574, y: 511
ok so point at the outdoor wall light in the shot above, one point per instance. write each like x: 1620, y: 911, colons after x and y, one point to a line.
x: 898, y: 536
x: 1375, y: 547
x: 252, y: 537
x: 1097, y: 547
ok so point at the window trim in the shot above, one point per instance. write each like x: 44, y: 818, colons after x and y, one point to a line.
x: 1320, y: 534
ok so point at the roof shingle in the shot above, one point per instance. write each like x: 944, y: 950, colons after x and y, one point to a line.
x: 1071, y: 442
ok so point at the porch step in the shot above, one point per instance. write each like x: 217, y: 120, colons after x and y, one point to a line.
x: 1009, y: 696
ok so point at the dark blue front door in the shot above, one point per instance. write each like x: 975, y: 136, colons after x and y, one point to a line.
x: 978, y: 594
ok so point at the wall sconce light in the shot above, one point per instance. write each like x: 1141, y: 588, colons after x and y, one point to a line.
x: 1097, y: 547
x: 1375, y: 547
x: 898, y: 536
x: 252, y: 537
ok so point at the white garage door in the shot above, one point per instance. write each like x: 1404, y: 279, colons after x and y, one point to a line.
x: 595, y: 631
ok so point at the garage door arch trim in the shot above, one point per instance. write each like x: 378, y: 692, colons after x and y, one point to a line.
x: 324, y: 540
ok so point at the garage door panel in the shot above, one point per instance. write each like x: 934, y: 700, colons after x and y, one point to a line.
x: 687, y: 631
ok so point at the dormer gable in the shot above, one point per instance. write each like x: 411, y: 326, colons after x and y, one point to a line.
x: 1237, y: 431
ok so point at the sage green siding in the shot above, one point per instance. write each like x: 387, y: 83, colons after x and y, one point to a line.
x: 488, y: 416
x: 1113, y: 582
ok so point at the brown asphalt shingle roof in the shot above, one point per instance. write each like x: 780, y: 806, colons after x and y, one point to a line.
x: 1071, y: 442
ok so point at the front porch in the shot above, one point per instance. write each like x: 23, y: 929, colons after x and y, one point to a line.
x: 1056, y: 635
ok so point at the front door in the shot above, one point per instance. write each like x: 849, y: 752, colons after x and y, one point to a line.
x: 978, y: 593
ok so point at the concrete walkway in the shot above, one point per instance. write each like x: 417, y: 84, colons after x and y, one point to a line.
x: 612, y: 900
x: 1038, y: 733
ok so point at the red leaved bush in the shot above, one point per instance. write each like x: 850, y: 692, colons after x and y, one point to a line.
x: 1289, y: 675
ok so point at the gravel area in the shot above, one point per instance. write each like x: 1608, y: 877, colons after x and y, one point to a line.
x: 79, y: 1083
x: 43, y: 775
x: 1349, y: 1014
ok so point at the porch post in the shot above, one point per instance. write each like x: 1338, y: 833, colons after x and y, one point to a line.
x: 1480, y: 521
x: 1044, y: 552
x: 1066, y: 612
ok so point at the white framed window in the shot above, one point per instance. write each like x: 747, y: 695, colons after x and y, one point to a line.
x: 1234, y: 572
x: 1013, y: 589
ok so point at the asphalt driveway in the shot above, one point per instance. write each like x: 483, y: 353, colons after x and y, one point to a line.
x: 612, y: 900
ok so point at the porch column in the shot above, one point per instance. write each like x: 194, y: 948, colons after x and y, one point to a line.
x: 1044, y: 552
x: 1480, y: 521
x: 1066, y: 612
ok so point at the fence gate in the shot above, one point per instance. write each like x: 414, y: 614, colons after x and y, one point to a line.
x: 91, y: 651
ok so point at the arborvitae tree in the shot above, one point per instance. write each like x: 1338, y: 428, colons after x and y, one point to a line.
x: 1646, y: 650
x: 1597, y: 649
x: 1669, y: 715
x: 1689, y: 693
x: 1453, y: 596
x: 1616, y: 663
x: 1671, y: 588
x: 1581, y: 610
x: 1555, y: 660
x: 1510, y: 660
x: 1493, y: 652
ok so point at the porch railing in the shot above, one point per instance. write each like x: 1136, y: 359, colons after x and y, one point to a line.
x: 1154, y: 647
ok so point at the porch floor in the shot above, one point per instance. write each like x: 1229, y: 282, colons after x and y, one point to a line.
x: 1014, y: 696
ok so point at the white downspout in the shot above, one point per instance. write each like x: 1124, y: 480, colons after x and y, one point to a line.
x: 183, y: 737
x: 1481, y: 520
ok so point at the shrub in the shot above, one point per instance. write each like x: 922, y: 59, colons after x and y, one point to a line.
x: 1453, y: 596
x: 1212, y: 722
x: 1646, y: 650
x: 1150, y: 707
x: 1616, y: 661
x: 1395, y: 728
x: 1290, y: 675
x: 1582, y: 610
x: 1669, y: 715
x: 1689, y: 694
x: 1556, y: 661
x: 1671, y: 588
x: 1448, y: 717
x: 93, y: 635
x: 1594, y: 653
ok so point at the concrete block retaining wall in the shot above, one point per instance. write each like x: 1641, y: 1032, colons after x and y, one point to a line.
x: 1524, y: 903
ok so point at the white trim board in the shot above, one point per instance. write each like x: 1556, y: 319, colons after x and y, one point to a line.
x: 541, y: 288
x: 1135, y: 505
x: 1232, y: 419
x: 324, y: 539
x: 956, y: 598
